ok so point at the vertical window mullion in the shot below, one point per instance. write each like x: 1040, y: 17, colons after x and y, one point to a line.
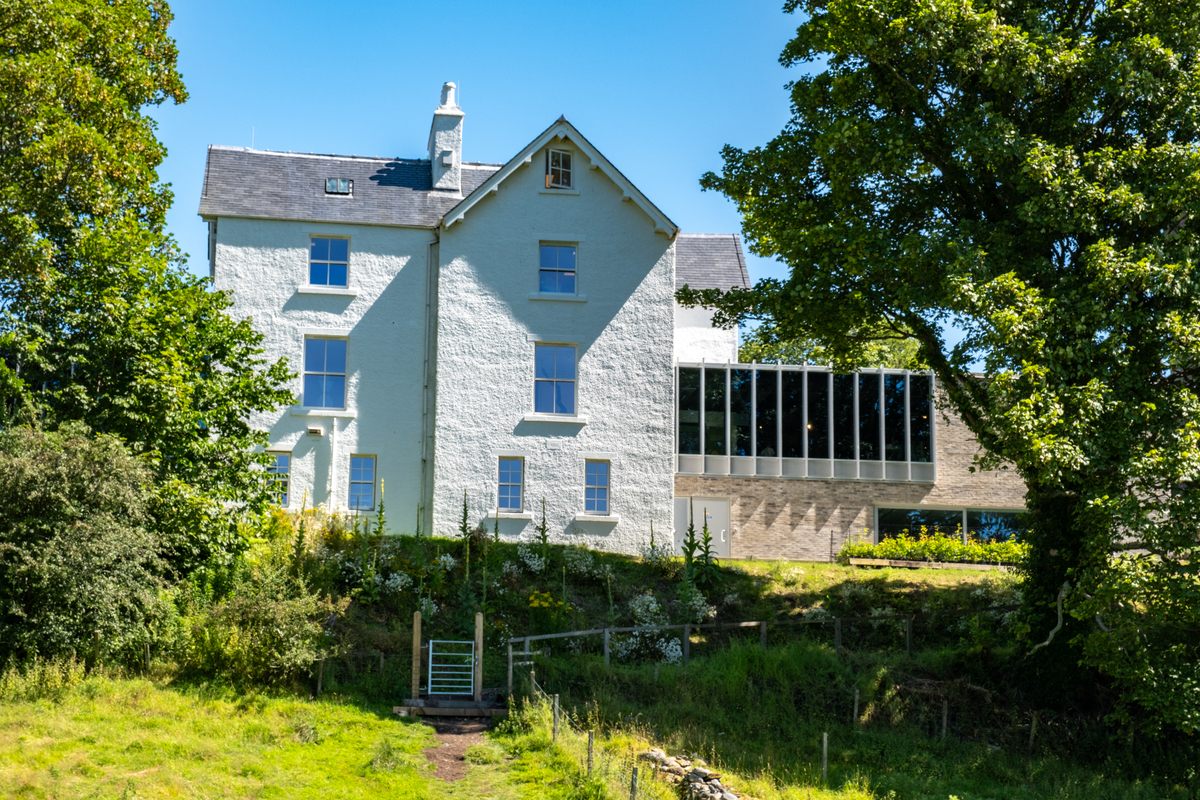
x: 754, y: 413
x: 804, y: 412
x: 728, y: 409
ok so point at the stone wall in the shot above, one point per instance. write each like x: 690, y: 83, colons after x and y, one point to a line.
x: 809, y: 520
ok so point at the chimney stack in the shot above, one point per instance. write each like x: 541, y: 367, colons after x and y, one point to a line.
x: 445, y: 143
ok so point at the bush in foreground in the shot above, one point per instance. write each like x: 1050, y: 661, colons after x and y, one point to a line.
x: 81, y: 566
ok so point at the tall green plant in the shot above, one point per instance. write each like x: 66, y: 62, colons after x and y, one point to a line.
x: 706, y: 574
x: 543, y: 533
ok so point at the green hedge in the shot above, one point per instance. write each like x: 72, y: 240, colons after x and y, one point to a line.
x: 937, y: 548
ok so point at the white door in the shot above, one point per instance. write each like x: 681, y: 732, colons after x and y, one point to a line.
x: 715, y: 509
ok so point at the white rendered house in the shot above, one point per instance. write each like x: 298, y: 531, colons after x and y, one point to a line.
x: 456, y: 324
x: 510, y: 331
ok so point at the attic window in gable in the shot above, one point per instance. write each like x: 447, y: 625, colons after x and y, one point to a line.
x: 558, y: 169
x: 339, y: 186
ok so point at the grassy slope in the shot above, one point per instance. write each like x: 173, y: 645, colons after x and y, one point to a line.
x: 759, y: 718
x: 749, y: 591
x: 137, y: 738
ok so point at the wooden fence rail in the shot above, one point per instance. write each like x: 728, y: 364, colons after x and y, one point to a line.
x: 687, y: 629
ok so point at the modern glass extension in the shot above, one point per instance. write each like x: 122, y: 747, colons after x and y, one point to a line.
x: 786, y: 421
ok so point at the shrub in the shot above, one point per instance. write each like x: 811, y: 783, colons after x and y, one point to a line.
x: 81, y: 566
x: 937, y: 548
x: 270, y: 628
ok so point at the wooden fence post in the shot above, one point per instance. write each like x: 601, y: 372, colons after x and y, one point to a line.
x: 687, y: 643
x: 416, y: 661
x: 320, y: 676
x: 945, y: 715
x: 510, y: 669
x: 837, y: 636
x: 591, y: 749
x: 856, y: 706
x: 478, y: 666
x: 607, y: 636
x: 824, y: 757
x: 555, y: 737
x: 762, y: 634
x: 633, y: 785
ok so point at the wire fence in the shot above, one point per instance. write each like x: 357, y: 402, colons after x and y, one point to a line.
x: 876, y: 631
x: 617, y: 768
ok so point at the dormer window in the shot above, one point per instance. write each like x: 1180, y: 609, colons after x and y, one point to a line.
x: 558, y: 169
x: 339, y: 186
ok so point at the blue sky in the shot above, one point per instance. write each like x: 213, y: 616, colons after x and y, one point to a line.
x: 658, y: 87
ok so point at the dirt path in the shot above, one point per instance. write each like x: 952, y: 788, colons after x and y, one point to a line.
x: 454, y: 735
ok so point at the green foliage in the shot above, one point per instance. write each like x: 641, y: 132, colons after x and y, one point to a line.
x: 102, y: 323
x: 79, y: 153
x: 41, y: 679
x: 705, y: 572
x: 1021, y: 170
x: 80, y: 561
x: 937, y: 548
x: 758, y: 718
x: 766, y: 345
x: 270, y: 629
x: 543, y: 532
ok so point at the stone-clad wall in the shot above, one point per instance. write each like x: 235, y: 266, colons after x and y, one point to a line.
x: 809, y: 520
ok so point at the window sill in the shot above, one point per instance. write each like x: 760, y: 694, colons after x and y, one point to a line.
x: 567, y: 418
x: 561, y: 296
x: 304, y: 411
x: 340, y: 291
x: 613, y: 518
x: 525, y: 515
x: 543, y: 190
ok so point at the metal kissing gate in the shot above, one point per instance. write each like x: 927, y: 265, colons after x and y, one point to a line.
x: 451, y: 667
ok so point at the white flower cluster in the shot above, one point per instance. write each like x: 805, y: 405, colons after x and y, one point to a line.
x: 731, y: 599
x: 511, y: 569
x: 658, y: 553
x: 533, y: 561
x: 428, y: 607
x: 397, y: 583
x: 697, y: 608
x: 648, y: 645
x: 671, y: 649
x: 446, y: 562
x: 582, y: 563
x: 349, y: 570
x: 647, y: 611
x: 816, y: 612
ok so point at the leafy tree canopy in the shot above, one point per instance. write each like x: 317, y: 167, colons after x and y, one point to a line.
x: 100, y: 322
x: 765, y: 345
x: 1029, y: 171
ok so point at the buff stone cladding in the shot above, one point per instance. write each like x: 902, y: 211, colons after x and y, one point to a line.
x: 442, y: 315
x: 810, y: 520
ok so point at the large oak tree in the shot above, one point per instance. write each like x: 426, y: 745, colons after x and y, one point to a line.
x: 1028, y: 170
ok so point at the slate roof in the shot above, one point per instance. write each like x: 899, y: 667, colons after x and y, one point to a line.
x: 710, y: 261
x: 240, y: 182
x: 264, y: 184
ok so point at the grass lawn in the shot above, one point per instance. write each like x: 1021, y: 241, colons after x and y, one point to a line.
x: 135, y: 738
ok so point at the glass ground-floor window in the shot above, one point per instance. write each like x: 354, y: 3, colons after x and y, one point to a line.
x: 979, y: 524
